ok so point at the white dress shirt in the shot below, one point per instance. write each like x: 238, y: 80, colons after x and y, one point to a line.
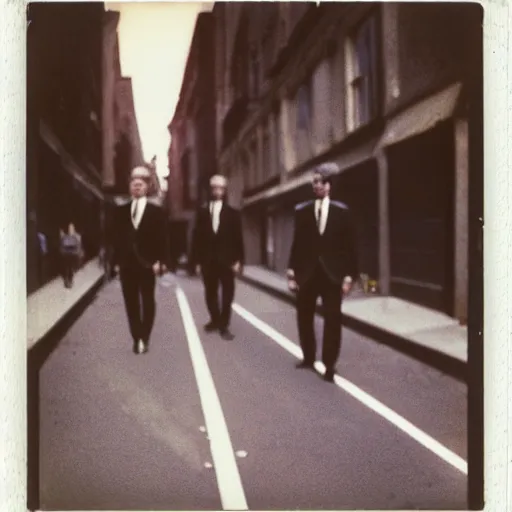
x: 215, y: 208
x: 324, y: 212
x: 141, y: 206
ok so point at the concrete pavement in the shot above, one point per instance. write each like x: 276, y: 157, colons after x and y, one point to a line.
x: 120, y: 431
x: 420, y: 332
x: 47, y: 306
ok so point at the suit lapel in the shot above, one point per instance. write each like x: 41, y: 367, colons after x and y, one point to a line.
x: 208, y: 218
x: 312, y: 218
x: 128, y: 215
x: 331, y: 212
x: 145, y: 214
x: 222, y: 216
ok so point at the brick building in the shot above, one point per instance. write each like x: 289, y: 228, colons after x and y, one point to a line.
x: 64, y: 133
x: 383, y: 89
x: 128, y: 148
x: 192, y: 156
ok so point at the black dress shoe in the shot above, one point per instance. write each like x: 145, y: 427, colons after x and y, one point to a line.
x: 227, y: 335
x: 329, y: 376
x: 306, y: 365
x: 210, y: 327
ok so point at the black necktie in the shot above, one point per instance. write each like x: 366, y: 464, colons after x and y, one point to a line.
x: 319, y: 215
x: 134, y: 214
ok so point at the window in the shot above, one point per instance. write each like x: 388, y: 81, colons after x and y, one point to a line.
x: 361, y: 75
x: 255, y: 74
x: 240, y: 64
x: 304, y: 106
x: 267, y: 164
x: 253, y: 164
x: 185, y: 159
x: 270, y: 243
x: 304, y: 121
x: 278, y: 142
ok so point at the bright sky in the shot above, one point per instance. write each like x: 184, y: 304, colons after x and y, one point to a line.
x: 154, y: 40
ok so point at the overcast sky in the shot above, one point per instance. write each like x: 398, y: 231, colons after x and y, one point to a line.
x: 154, y: 41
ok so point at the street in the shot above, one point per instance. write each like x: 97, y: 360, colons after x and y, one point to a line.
x: 201, y: 423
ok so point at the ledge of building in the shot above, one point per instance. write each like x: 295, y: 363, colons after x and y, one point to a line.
x: 48, y: 305
x: 422, y: 333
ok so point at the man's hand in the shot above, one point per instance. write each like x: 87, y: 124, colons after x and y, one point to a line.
x: 237, y: 267
x: 156, y: 268
x: 292, y: 285
x: 198, y: 270
x: 116, y: 269
x: 163, y: 268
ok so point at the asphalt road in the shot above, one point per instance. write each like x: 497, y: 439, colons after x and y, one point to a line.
x: 201, y: 423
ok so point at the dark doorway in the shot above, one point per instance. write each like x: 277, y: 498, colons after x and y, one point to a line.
x: 358, y: 188
x: 421, y: 196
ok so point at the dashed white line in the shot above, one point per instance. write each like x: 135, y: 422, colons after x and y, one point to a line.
x: 228, y: 477
x: 372, y: 403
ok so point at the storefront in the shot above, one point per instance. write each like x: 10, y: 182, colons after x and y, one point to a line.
x: 58, y: 198
x: 421, y: 218
x: 357, y: 187
x: 269, y: 223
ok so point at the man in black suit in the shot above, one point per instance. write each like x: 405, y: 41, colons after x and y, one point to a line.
x: 322, y: 263
x: 218, y: 254
x: 140, y: 252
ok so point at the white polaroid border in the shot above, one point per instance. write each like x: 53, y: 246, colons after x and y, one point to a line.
x: 497, y: 255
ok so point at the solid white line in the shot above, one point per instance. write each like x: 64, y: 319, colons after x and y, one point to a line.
x: 406, y: 426
x: 228, y: 478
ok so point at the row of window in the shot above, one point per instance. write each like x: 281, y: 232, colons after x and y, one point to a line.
x: 311, y: 115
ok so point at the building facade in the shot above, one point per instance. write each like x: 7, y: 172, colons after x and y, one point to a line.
x: 192, y: 153
x: 128, y: 147
x: 64, y: 131
x: 373, y: 87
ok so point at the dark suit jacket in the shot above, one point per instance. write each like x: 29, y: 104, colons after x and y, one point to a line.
x: 335, y: 250
x: 225, y: 247
x: 143, y: 246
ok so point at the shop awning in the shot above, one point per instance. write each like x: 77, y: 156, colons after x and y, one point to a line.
x: 345, y: 161
x: 68, y: 164
x: 422, y: 116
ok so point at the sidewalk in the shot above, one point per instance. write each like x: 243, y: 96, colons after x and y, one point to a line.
x: 51, y: 303
x: 418, y: 331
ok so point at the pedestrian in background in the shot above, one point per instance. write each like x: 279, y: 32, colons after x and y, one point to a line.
x: 70, y: 250
x: 42, y: 256
x: 140, y: 253
x: 322, y: 263
x: 218, y: 254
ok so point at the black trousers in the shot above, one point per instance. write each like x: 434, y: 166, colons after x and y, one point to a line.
x: 138, y: 285
x: 68, y: 268
x: 216, y: 274
x: 319, y: 285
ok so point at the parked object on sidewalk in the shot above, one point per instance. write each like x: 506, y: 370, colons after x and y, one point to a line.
x: 368, y: 284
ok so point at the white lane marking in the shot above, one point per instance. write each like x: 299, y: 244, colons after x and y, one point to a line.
x: 228, y: 478
x: 406, y: 426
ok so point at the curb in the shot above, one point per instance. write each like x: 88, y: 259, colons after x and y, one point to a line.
x: 37, y: 354
x: 438, y: 360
